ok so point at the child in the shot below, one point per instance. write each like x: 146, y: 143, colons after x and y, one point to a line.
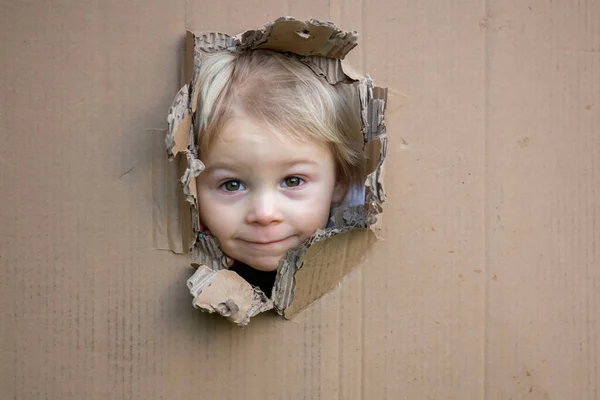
x: 281, y: 146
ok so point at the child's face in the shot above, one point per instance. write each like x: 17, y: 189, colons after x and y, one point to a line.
x: 262, y: 194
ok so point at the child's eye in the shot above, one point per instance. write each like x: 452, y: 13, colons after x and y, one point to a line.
x: 233, y: 186
x: 292, y: 181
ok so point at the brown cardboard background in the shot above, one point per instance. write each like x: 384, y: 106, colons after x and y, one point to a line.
x: 486, y: 285
x: 543, y: 203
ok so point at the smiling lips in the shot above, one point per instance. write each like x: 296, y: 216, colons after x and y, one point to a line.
x: 265, y: 243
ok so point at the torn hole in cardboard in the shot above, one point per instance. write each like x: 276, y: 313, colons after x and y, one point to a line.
x: 311, y: 270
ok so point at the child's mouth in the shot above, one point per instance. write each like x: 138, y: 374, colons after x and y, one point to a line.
x: 263, y: 245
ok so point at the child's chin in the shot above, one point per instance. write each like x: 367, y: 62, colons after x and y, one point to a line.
x: 266, y: 265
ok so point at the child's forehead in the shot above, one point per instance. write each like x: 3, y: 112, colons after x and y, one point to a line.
x: 244, y: 141
x: 241, y: 130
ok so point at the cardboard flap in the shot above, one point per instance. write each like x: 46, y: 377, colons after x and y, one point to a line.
x: 325, y: 264
x: 335, y: 241
x: 228, y: 294
x: 311, y: 38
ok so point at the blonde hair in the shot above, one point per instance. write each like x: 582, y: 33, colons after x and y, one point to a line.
x: 281, y: 91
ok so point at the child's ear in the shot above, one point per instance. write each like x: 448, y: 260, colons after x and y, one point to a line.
x: 339, y: 192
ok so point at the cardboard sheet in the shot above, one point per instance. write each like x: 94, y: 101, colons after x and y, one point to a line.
x: 486, y: 282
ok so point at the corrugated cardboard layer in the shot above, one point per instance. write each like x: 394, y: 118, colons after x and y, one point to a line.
x: 486, y: 286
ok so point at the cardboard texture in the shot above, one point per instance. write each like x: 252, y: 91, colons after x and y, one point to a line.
x: 322, y: 47
x: 485, y: 285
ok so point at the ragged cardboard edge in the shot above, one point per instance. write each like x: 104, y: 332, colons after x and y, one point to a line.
x: 188, y: 180
x: 373, y: 105
x: 207, y: 251
x: 179, y: 122
x: 311, y: 40
x: 228, y: 294
x: 375, y: 194
x: 180, y: 140
x: 354, y: 216
x: 213, y: 41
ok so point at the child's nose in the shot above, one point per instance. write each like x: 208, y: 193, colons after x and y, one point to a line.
x: 264, y: 210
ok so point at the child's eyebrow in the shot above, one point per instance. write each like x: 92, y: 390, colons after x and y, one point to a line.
x: 236, y: 168
x: 291, y: 163
x: 218, y: 166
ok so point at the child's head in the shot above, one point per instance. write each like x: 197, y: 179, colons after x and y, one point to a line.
x: 280, y: 145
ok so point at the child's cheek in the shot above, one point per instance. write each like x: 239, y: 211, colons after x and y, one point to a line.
x: 217, y: 215
x: 206, y: 209
x: 312, y: 212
